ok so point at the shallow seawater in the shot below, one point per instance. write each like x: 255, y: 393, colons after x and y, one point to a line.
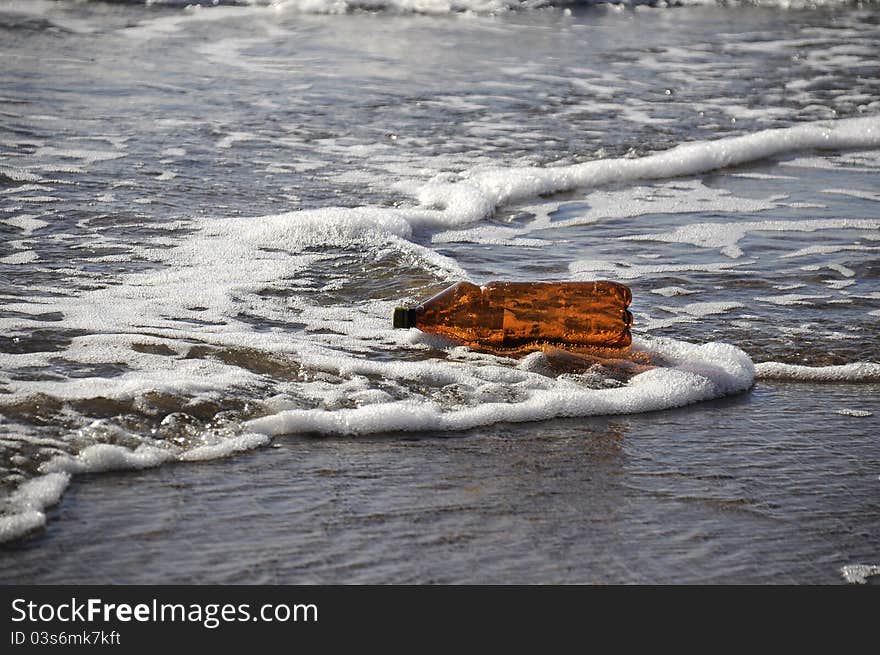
x: 203, y: 241
x: 762, y: 488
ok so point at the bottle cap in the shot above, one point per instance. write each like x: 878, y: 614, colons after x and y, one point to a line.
x: 404, y: 317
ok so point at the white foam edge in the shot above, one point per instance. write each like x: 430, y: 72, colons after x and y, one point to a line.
x: 480, y: 192
x: 855, y: 413
x: 853, y: 372
x: 102, y: 457
x: 700, y: 372
x: 859, y: 573
x: 726, y: 236
x: 336, y: 226
x: 30, y: 500
x: 29, y: 503
x: 144, y: 296
x: 229, y: 446
x: 190, y: 377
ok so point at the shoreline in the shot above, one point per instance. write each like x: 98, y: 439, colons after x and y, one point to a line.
x: 766, y: 487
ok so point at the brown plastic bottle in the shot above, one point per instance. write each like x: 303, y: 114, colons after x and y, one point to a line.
x: 510, y: 315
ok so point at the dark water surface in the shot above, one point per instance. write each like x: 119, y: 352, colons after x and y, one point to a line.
x: 771, y: 487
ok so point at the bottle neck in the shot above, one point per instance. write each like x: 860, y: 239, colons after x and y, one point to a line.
x: 404, y: 317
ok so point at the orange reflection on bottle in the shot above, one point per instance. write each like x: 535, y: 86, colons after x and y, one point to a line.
x: 505, y: 316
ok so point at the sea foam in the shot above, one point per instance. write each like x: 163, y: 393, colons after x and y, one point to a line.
x: 27, y: 504
x: 855, y: 372
x: 726, y: 236
x: 698, y: 372
x: 478, y: 193
x: 25, y: 507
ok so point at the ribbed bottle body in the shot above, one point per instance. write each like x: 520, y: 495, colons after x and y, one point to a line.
x: 509, y: 315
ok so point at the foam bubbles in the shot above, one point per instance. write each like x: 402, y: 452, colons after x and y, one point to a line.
x: 698, y: 372
x: 588, y: 269
x: 20, y: 257
x: 788, y: 299
x: 13, y: 526
x: 854, y: 372
x: 27, y: 223
x: 726, y: 236
x: 26, y: 506
x: 85, y: 155
x: 479, y: 192
x: 225, y: 447
x: 856, y: 413
x: 859, y: 573
x: 668, y: 292
x: 702, y: 309
x: 108, y: 457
